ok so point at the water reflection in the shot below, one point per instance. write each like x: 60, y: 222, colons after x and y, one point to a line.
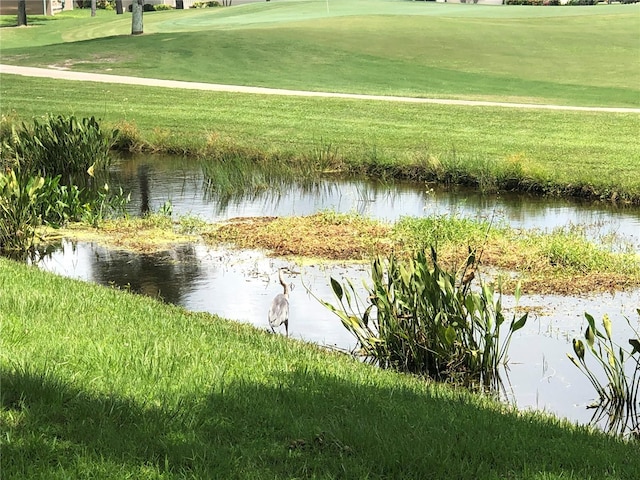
x: 618, y: 418
x: 154, y: 180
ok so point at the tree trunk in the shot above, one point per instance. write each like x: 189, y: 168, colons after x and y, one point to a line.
x: 119, y: 7
x: 93, y: 8
x: 136, y: 17
x: 22, y: 12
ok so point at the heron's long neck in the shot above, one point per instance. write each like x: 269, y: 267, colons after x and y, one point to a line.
x: 284, y: 285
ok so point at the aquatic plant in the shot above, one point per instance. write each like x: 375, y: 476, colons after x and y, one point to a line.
x: 104, y: 204
x: 618, y: 392
x: 58, y: 145
x: 19, y: 215
x: 421, y: 319
x: 30, y: 201
x: 35, y: 160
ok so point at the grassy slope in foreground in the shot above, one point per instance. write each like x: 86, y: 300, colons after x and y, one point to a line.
x: 569, y: 55
x: 99, y: 383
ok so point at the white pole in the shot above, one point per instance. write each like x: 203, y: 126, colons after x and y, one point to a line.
x: 327, y: 6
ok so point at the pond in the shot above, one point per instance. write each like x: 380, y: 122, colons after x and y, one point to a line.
x: 240, y: 285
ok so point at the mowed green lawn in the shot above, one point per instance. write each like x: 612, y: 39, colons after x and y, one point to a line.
x: 570, y: 55
x: 99, y: 383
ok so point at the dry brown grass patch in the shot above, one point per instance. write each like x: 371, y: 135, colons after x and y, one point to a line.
x: 333, y: 237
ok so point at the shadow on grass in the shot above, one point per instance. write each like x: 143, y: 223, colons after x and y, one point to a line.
x: 11, y: 21
x: 310, y: 425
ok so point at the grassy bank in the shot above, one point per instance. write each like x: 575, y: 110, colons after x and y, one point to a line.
x: 98, y: 383
x: 584, y: 154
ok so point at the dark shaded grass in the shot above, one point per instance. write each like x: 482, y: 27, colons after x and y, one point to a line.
x: 308, y: 425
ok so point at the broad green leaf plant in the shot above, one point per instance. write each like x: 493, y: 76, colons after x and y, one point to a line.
x: 421, y: 319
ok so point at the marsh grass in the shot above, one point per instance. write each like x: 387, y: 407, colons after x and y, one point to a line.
x: 101, y: 383
x: 232, y: 172
x: 415, y: 233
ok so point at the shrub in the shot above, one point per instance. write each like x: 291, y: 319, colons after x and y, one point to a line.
x: 101, y: 4
x: 417, y: 318
x: 161, y: 6
x: 209, y: 4
x: 128, y: 137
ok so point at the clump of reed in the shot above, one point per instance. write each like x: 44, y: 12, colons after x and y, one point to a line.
x: 419, y: 318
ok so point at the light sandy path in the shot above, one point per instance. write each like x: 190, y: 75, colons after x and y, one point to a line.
x: 152, y: 82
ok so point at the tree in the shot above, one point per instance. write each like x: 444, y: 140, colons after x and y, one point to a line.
x: 22, y: 12
x: 136, y: 17
x: 93, y: 8
x: 119, y: 7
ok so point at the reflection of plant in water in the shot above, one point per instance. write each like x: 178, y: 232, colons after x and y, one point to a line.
x: 232, y: 176
x: 419, y: 318
x: 619, y: 393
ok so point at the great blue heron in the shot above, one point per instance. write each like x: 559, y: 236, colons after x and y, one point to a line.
x: 279, y: 311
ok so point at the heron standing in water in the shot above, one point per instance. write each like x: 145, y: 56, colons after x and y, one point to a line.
x: 279, y: 311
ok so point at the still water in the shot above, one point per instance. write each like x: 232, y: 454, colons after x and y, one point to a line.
x: 239, y: 285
